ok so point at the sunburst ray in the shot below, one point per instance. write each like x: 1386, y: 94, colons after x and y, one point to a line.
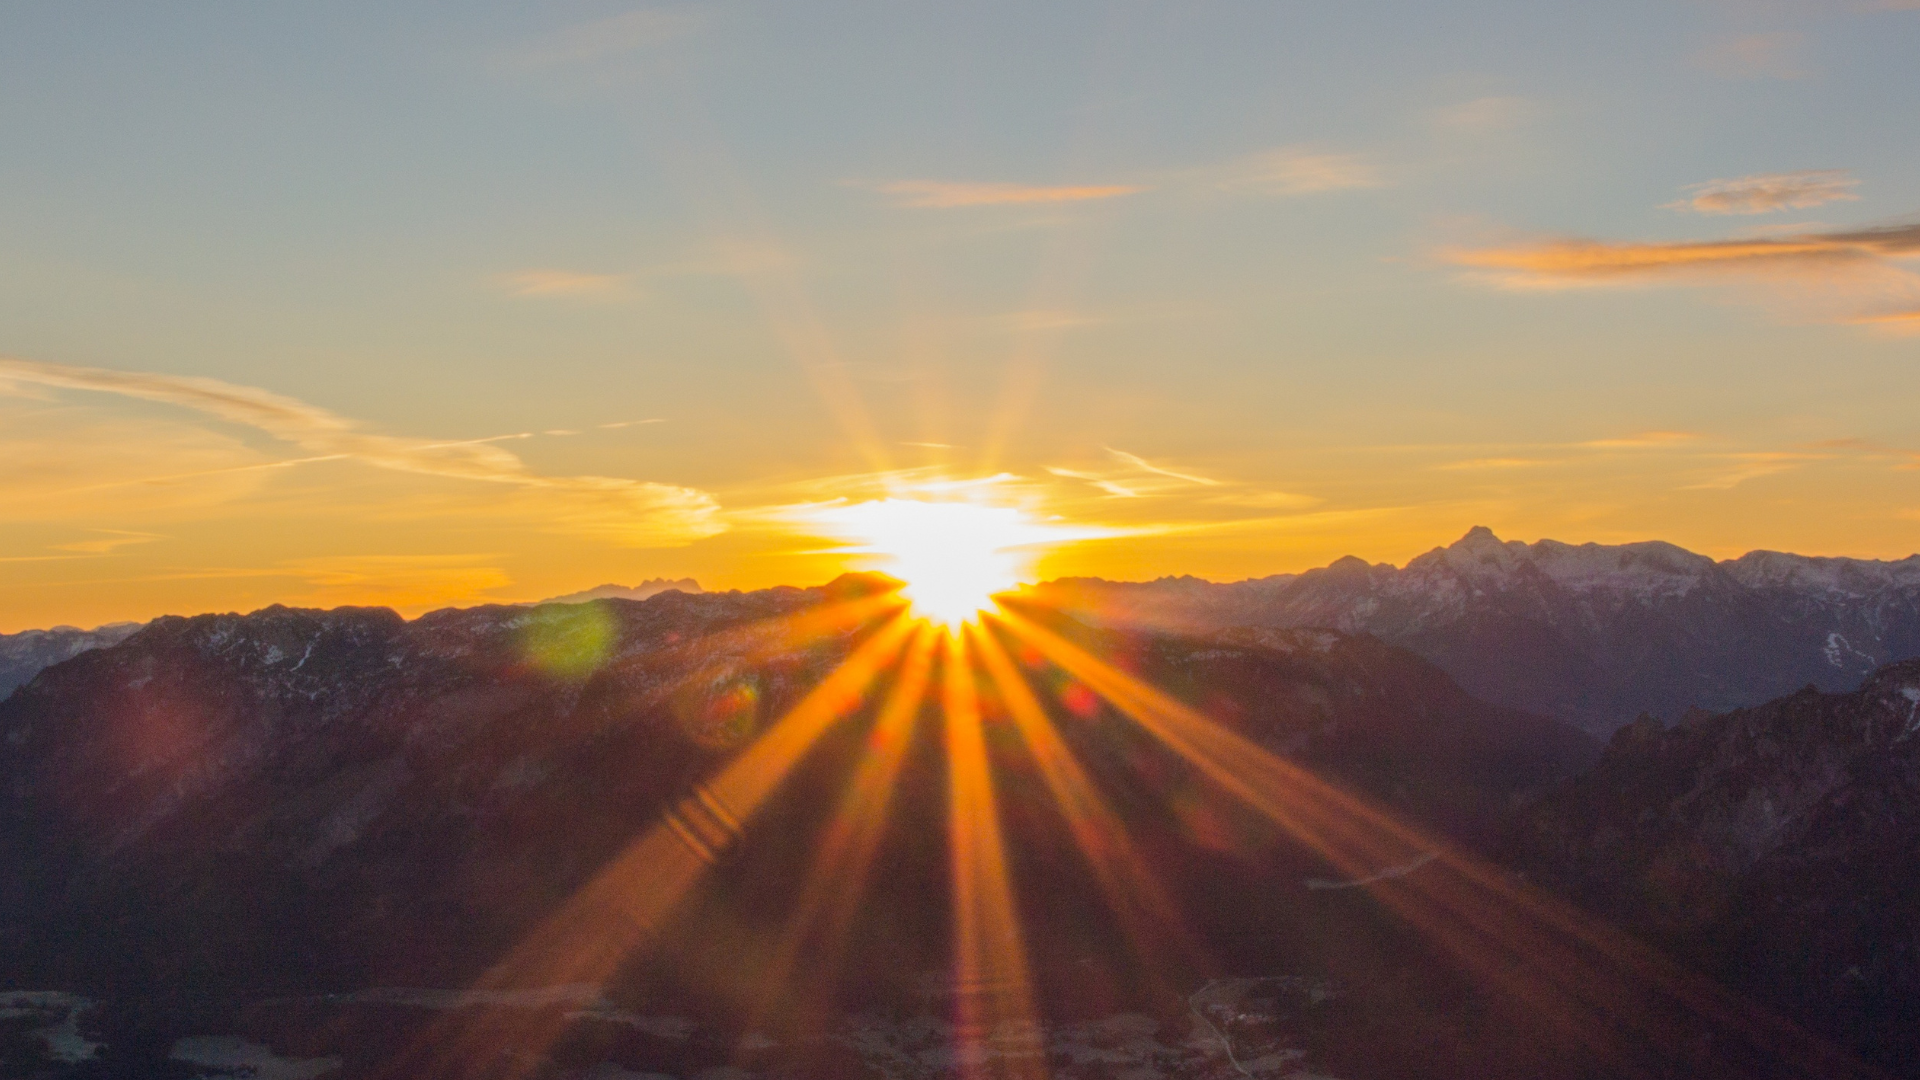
x: 613, y: 915
x: 1152, y: 923
x: 995, y: 1031
x: 1594, y: 986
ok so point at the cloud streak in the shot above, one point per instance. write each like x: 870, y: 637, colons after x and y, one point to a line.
x: 1854, y: 274
x: 1295, y: 170
x: 628, y: 511
x: 948, y: 194
x: 1764, y: 193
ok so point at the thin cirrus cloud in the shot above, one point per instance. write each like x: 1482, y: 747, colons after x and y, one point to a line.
x: 1296, y: 170
x: 1855, y: 275
x: 628, y: 512
x: 1764, y: 193
x: 1285, y: 171
x: 947, y: 194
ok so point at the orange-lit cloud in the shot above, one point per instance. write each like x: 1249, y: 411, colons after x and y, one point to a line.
x: 1849, y: 274
x: 945, y: 194
x: 627, y: 511
x: 1297, y: 170
x: 1764, y: 193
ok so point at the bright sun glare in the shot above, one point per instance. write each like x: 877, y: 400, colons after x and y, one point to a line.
x: 953, y: 556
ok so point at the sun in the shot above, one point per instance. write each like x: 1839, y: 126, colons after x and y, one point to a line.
x: 953, y: 556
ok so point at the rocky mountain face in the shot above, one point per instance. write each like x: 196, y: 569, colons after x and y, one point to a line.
x: 287, y: 840
x: 1589, y: 633
x: 1776, y: 847
x: 23, y: 655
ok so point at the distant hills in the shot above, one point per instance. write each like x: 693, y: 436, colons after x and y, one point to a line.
x: 22, y: 655
x: 1593, y: 634
x: 649, y: 587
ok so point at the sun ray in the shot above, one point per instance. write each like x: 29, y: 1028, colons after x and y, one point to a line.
x: 837, y: 876
x: 1151, y: 921
x: 1589, y: 983
x: 995, y: 1030
x: 613, y: 915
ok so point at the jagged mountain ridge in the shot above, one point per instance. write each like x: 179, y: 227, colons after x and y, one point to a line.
x: 291, y: 802
x: 23, y: 655
x: 1590, y: 633
x: 1776, y: 847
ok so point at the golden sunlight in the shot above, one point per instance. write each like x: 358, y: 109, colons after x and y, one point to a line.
x: 953, y: 556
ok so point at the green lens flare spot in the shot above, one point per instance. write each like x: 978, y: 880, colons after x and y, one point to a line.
x: 569, y: 641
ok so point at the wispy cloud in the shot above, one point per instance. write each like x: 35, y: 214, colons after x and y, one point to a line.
x: 1137, y: 477
x: 1901, y: 322
x: 1736, y: 469
x: 627, y: 511
x: 1146, y: 466
x: 947, y: 194
x: 1847, y: 275
x: 1649, y: 440
x: 1577, y: 260
x: 1280, y: 172
x: 1755, y: 56
x: 1764, y: 193
x: 570, y: 283
x: 108, y: 541
x: 1296, y: 170
x: 1486, y: 114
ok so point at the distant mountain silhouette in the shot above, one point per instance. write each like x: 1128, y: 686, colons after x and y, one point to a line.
x: 1590, y: 633
x: 649, y: 587
x: 22, y: 655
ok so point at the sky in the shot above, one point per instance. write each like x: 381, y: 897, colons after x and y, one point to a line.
x: 442, y: 304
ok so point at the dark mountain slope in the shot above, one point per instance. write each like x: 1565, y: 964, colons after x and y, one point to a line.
x: 1777, y: 847
x: 229, y: 809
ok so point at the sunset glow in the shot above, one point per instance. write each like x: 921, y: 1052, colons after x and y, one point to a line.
x: 953, y: 556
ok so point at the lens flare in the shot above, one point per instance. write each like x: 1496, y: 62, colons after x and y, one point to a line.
x: 953, y: 556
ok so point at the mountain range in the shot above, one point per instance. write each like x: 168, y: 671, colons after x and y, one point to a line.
x: 300, y: 843
x: 1593, y: 634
